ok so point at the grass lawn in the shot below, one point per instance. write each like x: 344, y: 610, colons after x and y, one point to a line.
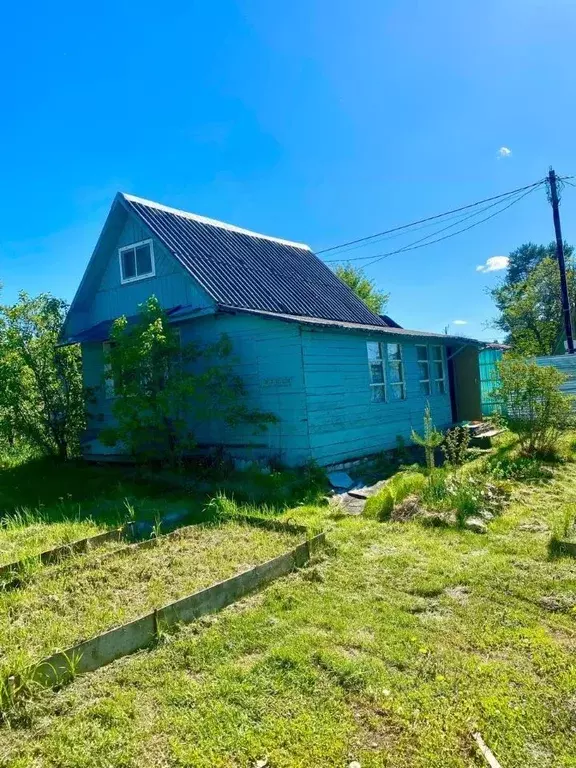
x: 389, y: 651
x: 44, y: 503
x: 62, y: 604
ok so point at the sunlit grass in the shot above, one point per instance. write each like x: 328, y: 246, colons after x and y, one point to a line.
x: 390, y: 650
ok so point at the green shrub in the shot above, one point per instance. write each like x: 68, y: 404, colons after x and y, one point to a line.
x: 518, y: 468
x: 455, y: 446
x: 466, y: 495
x: 534, y: 406
x: 380, y: 505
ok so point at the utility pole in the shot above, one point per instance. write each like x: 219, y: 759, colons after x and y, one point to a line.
x: 553, y: 197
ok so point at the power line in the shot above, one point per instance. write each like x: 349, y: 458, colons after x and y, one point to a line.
x: 416, y: 228
x: 413, y: 246
x: 429, y: 218
x: 460, y: 220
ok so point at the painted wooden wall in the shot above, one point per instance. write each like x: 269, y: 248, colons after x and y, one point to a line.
x: 171, y: 284
x: 343, y: 420
x: 317, y: 384
x: 267, y: 356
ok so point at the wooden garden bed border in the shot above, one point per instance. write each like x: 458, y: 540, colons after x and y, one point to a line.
x: 140, y: 633
x: 82, y: 546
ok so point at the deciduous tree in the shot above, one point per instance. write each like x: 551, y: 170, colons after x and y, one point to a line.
x: 41, y: 391
x: 365, y: 288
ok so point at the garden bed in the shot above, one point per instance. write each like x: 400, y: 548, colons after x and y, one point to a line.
x: 24, y: 537
x: 89, y: 594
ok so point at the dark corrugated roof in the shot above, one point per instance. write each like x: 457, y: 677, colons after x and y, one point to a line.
x: 388, y: 320
x: 339, y: 324
x: 244, y: 269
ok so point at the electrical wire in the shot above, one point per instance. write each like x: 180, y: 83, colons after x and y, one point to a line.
x: 460, y: 220
x: 417, y: 228
x: 430, y: 218
x: 414, y: 245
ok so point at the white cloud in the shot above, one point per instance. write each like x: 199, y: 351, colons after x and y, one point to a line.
x: 503, y: 152
x: 493, y: 264
x: 460, y: 322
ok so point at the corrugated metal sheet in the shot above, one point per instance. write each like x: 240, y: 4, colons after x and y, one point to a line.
x: 489, y: 358
x: 567, y: 365
x: 250, y: 271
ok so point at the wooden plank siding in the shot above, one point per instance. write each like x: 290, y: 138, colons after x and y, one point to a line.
x: 267, y: 357
x: 343, y: 420
x: 171, y: 284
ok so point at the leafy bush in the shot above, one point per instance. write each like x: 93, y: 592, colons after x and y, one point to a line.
x: 455, y: 445
x: 430, y: 440
x: 518, y: 468
x: 534, y: 406
x: 466, y: 495
x: 162, y: 387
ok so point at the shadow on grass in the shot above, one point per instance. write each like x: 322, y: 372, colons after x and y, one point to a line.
x: 58, y: 491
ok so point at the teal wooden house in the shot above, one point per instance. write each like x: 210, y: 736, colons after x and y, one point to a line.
x: 343, y: 382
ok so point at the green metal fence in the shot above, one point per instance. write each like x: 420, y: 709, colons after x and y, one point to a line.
x: 489, y: 380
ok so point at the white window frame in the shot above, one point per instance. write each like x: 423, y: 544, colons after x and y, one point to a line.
x: 426, y: 362
x: 131, y: 247
x: 399, y: 363
x: 442, y: 360
x: 109, y: 390
x: 382, y: 360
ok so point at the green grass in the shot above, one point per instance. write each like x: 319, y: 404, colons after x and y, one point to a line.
x: 62, y: 604
x: 390, y: 650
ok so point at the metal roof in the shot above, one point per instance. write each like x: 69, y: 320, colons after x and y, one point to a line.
x: 101, y: 331
x: 362, y: 327
x: 247, y: 270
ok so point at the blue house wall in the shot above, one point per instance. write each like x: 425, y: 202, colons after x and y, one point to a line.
x: 171, y: 284
x: 343, y: 420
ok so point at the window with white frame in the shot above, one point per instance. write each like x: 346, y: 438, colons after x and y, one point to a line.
x: 439, y: 369
x: 396, y: 372
x: 377, y: 369
x: 423, y: 358
x: 136, y: 261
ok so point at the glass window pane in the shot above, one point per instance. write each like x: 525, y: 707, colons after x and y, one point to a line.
x: 373, y: 348
x: 143, y: 260
x: 425, y: 387
x: 422, y: 353
x: 397, y: 391
x: 376, y: 373
x: 438, y: 371
x: 441, y: 387
x: 424, y: 370
x: 437, y: 353
x: 378, y: 394
x: 395, y: 372
x: 394, y: 352
x: 128, y: 264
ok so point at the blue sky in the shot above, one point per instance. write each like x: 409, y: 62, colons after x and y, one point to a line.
x: 318, y: 121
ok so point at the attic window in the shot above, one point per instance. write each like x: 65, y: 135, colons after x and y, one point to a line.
x: 136, y: 261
